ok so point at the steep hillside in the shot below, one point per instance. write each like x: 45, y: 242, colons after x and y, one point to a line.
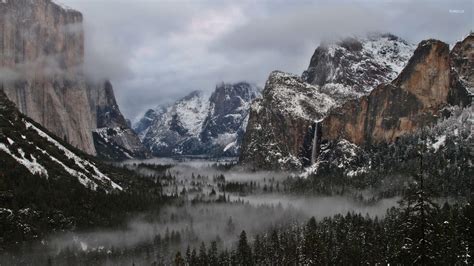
x: 200, y: 124
x: 27, y: 147
x: 48, y: 185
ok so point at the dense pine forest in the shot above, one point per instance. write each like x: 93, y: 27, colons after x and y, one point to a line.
x: 418, y: 231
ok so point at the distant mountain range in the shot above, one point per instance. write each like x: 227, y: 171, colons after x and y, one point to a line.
x: 200, y: 124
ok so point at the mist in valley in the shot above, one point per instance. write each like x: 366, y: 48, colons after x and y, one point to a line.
x: 203, y: 212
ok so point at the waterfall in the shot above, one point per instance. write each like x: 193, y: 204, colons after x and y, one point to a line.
x: 315, y: 150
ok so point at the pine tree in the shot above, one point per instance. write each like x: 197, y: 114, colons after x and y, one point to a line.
x: 258, y: 251
x: 213, y: 259
x: 203, y: 259
x: 188, y: 256
x: 419, y: 227
x: 178, y: 260
x: 194, y: 257
x: 275, y: 248
x: 311, y: 245
x: 244, y: 252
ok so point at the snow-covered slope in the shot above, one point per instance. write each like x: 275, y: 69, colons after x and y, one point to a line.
x: 354, y: 66
x: 199, y: 124
x: 28, y: 147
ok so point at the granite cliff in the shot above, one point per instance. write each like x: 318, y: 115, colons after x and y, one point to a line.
x: 42, y: 48
x: 430, y: 81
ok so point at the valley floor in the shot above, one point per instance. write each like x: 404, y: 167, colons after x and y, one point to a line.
x: 216, y: 204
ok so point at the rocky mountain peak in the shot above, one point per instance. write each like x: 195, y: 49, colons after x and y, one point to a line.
x: 353, y: 66
x: 113, y: 137
x: 199, y: 124
x: 291, y: 94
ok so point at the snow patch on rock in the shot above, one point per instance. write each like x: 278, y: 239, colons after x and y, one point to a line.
x: 89, y: 170
x: 31, y: 164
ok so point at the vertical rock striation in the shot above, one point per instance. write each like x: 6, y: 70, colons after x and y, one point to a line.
x: 42, y: 51
x: 41, y: 70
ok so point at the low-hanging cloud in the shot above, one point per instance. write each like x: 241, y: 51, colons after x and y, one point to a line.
x: 157, y: 51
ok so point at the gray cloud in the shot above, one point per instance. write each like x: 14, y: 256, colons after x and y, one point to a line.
x: 158, y: 50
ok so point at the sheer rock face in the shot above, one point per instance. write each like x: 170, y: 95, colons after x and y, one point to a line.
x: 42, y: 53
x: 280, y: 121
x: 413, y: 100
x: 42, y: 47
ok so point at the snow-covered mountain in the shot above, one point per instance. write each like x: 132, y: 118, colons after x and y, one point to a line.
x: 352, y: 67
x: 200, y: 124
x: 282, y: 123
x: 366, y: 109
x: 279, y: 120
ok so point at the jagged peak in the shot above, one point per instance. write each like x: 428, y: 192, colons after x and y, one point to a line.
x: 193, y: 94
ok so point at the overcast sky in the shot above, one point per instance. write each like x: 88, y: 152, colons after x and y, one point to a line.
x: 156, y: 51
